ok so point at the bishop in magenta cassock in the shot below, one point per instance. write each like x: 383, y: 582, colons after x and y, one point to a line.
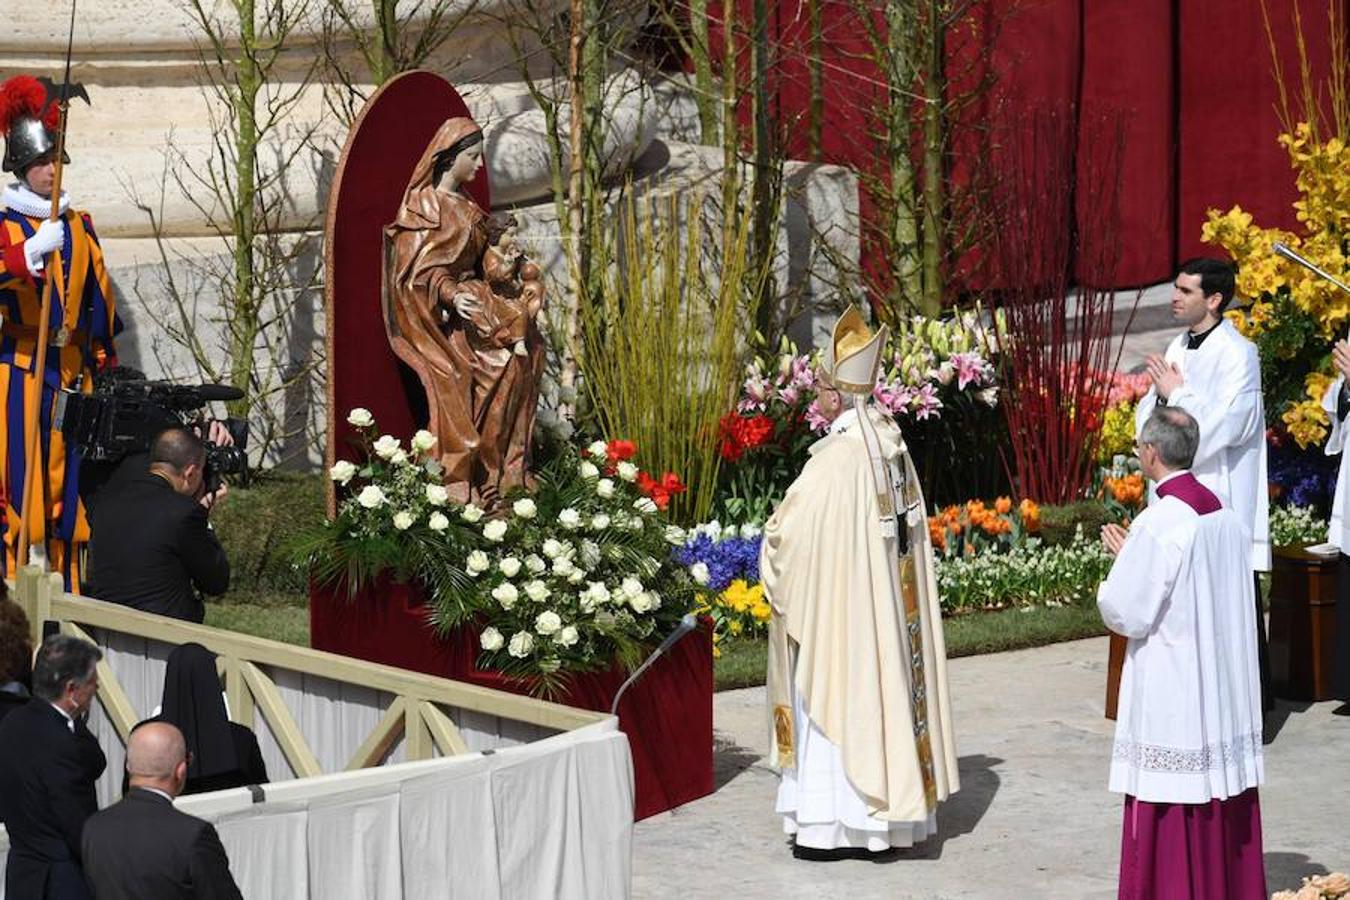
x: 859, y: 712
x: 1187, y: 753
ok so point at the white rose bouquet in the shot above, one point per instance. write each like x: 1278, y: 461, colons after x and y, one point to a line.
x: 574, y: 577
x: 394, y: 516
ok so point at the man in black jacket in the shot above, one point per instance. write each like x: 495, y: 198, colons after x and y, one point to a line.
x: 48, y: 765
x: 151, y: 546
x: 144, y: 847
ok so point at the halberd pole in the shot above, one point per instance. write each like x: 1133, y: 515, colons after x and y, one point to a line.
x: 34, y: 458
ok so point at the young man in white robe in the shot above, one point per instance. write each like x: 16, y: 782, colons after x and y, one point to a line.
x: 1336, y: 403
x: 859, y: 711
x: 1215, y: 374
x: 1187, y: 753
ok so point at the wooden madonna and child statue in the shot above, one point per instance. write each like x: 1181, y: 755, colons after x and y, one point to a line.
x: 460, y: 306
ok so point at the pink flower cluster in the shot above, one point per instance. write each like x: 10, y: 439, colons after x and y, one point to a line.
x: 908, y: 386
x: 1127, y: 388
x: 901, y: 399
x: 794, y: 381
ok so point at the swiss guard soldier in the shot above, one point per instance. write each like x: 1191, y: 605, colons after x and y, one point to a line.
x: 82, y: 323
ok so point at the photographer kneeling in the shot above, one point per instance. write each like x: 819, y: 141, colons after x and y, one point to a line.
x: 151, y: 546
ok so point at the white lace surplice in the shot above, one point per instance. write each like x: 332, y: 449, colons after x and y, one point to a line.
x: 1189, y: 723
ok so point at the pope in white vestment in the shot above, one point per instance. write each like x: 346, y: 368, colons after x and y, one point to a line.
x: 859, y: 709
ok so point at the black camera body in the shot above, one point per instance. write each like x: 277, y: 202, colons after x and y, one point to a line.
x: 124, y: 413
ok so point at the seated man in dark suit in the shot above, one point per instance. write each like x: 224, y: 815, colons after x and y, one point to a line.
x: 151, y: 546
x: 48, y: 765
x: 142, y: 846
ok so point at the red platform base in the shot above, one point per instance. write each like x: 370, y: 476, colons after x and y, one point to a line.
x: 667, y: 714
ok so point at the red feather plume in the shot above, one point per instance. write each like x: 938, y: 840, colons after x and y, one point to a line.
x: 24, y: 95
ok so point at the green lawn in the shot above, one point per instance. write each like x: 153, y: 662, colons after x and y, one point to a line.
x: 280, y: 623
x: 742, y: 662
x: 282, y: 618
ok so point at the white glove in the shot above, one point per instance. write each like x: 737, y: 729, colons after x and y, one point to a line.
x: 50, y: 235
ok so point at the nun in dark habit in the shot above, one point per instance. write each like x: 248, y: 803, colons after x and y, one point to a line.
x: 221, y: 754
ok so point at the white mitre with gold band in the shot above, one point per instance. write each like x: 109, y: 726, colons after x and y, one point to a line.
x: 852, y: 361
x: 854, y: 354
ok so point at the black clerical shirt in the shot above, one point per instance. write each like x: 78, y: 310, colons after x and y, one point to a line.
x: 1193, y: 340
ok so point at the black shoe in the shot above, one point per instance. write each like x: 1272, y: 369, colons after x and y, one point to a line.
x: 815, y: 854
x: 1342, y: 710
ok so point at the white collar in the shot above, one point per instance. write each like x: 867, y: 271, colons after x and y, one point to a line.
x: 19, y: 198
x: 1169, y: 476
x: 154, y: 790
x: 888, y: 433
x: 844, y: 421
x: 70, y: 720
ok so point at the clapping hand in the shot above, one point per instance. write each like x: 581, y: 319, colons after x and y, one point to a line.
x: 1113, y: 538
x: 1166, y: 376
x: 1340, y: 355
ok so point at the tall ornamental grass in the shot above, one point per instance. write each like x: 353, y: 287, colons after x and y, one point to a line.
x: 663, y: 346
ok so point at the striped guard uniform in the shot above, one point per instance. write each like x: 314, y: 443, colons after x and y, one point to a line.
x: 83, y: 323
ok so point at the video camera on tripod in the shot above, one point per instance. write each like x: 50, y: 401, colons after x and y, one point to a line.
x: 125, y: 412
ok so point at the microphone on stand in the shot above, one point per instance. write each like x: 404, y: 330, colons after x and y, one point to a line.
x: 687, y: 624
x: 1288, y: 253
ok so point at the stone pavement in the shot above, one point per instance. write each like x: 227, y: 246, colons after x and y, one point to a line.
x: 1033, y: 817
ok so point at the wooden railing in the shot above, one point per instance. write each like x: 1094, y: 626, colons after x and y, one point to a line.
x: 419, y: 710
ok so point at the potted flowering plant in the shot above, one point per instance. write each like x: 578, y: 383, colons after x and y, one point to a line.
x: 574, y: 576
x: 939, y: 380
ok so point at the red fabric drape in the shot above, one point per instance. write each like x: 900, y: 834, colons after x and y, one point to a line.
x: 1189, y: 82
x: 667, y: 714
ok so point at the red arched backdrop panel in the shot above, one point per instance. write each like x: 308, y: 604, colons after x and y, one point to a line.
x: 382, y: 148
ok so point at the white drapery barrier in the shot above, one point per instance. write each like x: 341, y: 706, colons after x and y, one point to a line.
x: 550, y: 819
x: 508, y: 796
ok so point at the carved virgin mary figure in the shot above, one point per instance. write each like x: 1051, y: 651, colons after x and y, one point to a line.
x: 440, y: 313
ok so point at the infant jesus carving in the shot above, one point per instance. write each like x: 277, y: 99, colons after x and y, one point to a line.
x: 517, y: 289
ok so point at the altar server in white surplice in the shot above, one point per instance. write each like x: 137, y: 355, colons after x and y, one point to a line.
x: 1214, y: 373
x: 859, y: 712
x: 1187, y: 752
x: 1336, y: 403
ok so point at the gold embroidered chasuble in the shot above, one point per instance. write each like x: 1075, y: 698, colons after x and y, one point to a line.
x: 865, y: 619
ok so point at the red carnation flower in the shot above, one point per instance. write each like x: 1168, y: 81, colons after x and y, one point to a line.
x: 730, y: 431
x: 671, y: 483
x: 756, y: 431
x: 618, y: 451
